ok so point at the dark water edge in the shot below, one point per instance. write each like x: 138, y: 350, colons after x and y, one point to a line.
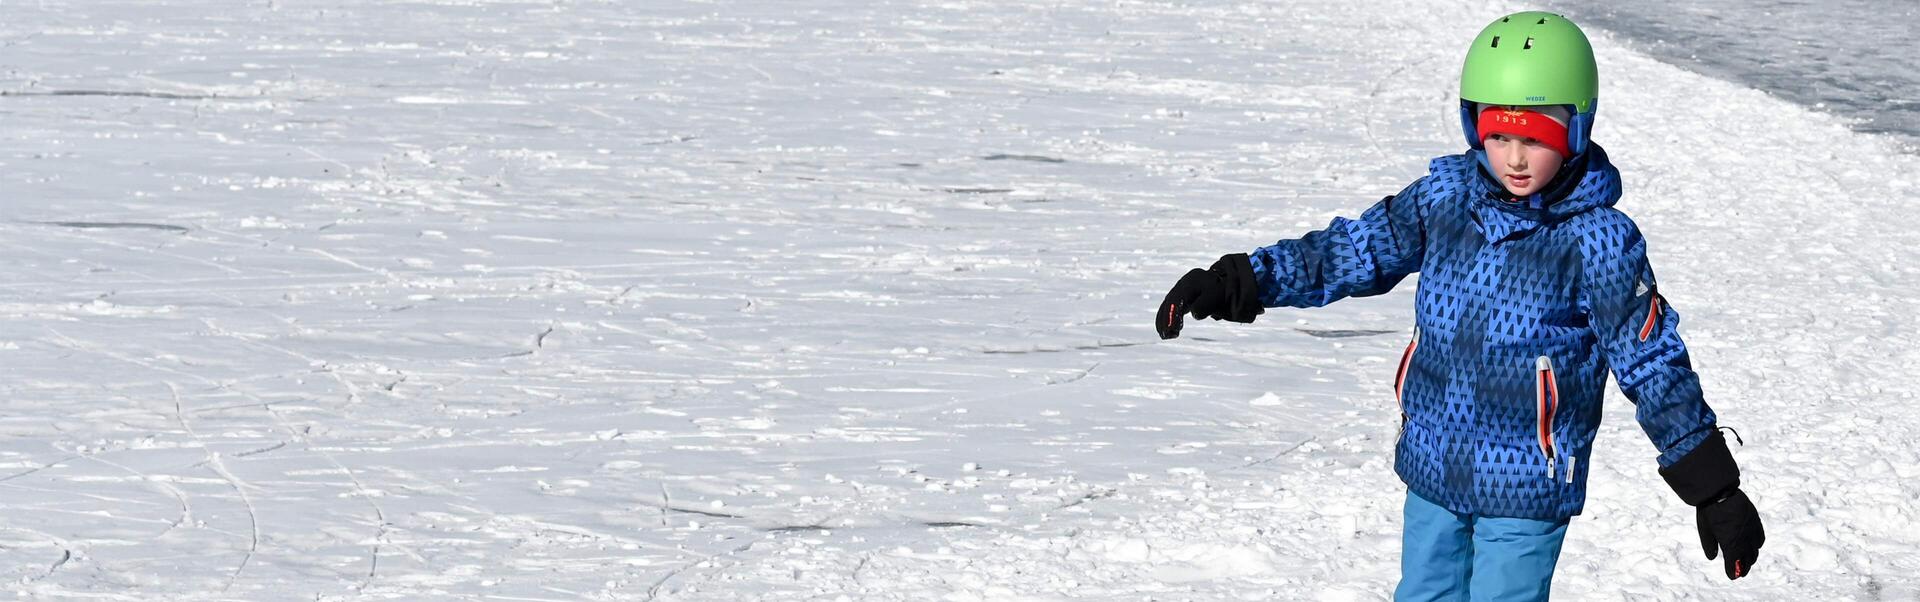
x: 1854, y: 58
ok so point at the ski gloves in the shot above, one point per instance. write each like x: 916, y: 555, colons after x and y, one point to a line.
x: 1708, y: 480
x: 1226, y: 291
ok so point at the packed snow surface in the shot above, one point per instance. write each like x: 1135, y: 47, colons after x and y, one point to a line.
x: 764, y: 300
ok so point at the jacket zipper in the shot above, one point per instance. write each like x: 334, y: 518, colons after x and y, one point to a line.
x: 1653, y: 316
x: 1547, y: 398
x: 1400, y: 377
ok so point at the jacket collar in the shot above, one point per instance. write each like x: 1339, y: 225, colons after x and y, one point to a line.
x: 1587, y: 181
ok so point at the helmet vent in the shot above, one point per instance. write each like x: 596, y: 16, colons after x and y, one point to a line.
x: 1496, y: 41
x: 1528, y: 45
x: 1543, y: 21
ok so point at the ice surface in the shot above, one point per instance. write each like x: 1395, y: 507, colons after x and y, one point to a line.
x: 843, y: 300
x: 1850, y: 57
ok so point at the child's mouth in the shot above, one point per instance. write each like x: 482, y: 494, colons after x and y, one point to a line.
x: 1519, y: 181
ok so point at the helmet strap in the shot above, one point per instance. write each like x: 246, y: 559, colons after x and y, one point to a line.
x: 1580, y: 129
x: 1469, y: 124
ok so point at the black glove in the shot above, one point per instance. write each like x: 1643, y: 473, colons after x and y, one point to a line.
x: 1708, y: 479
x: 1226, y: 291
x: 1733, y: 525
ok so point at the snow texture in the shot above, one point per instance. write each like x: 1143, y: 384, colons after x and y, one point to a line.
x: 669, y: 300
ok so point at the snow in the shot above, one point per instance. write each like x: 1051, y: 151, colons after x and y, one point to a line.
x: 764, y: 301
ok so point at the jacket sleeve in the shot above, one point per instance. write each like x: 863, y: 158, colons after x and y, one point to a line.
x: 1350, y: 258
x: 1640, y: 340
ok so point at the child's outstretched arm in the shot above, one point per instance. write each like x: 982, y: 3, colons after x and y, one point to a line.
x: 1640, y: 337
x: 1350, y: 258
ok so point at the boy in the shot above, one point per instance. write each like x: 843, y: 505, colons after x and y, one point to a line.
x: 1532, y: 287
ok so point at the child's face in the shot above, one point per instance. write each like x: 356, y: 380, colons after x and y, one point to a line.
x: 1523, y: 164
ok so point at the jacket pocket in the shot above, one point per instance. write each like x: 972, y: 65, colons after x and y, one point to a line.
x: 1547, y: 402
x: 1400, y: 376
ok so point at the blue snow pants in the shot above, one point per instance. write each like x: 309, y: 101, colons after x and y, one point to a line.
x: 1460, y: 557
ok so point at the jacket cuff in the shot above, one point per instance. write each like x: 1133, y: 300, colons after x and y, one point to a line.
x: 1705, y: 474
x: 1243, y: 290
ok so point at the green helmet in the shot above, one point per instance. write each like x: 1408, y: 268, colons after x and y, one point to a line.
x: 1529, y: 59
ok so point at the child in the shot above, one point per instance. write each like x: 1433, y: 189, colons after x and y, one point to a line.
x: 1532, y: 287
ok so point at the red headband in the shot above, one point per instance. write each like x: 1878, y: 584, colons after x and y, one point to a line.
x: 1523, y: 122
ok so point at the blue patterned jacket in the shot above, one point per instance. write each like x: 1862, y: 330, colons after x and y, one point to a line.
x: 1523, y: 307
